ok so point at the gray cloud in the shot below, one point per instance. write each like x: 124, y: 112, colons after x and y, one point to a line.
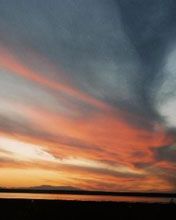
x: 151, y: 27
x: 85, y: 37
x: 166, y: 153
x: 113, y: 50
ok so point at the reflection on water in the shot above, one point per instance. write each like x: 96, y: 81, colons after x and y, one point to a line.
x: 83, y: 197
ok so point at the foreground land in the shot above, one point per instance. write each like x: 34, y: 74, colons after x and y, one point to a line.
x: 46, y: 209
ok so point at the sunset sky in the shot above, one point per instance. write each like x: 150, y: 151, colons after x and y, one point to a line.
x: 87, y: 94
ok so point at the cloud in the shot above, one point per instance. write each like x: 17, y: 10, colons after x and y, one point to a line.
x: 166, y: 153
x: 92, y: 82
x: 97, y: 55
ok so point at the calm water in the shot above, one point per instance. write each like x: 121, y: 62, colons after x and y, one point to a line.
x: 83, y: 197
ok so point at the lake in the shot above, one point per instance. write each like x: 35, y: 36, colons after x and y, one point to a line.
x: 72, y: 197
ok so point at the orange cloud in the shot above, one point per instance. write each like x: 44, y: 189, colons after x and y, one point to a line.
x: 86, y: 151
x: 10, y: 62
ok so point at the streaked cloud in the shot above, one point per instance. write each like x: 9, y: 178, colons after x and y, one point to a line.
x: 87, y: 93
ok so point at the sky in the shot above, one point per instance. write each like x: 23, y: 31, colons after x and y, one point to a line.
x: 87, y: 94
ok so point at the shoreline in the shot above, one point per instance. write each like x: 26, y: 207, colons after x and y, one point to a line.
x: 96, y: 193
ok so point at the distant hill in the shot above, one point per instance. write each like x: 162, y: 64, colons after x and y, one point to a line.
x: 48, y: 187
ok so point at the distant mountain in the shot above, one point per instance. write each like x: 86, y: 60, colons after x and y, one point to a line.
x: 42, y: 188
x: 48, y: 187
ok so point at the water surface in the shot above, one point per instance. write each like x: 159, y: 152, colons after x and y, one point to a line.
x: 73, y: 197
